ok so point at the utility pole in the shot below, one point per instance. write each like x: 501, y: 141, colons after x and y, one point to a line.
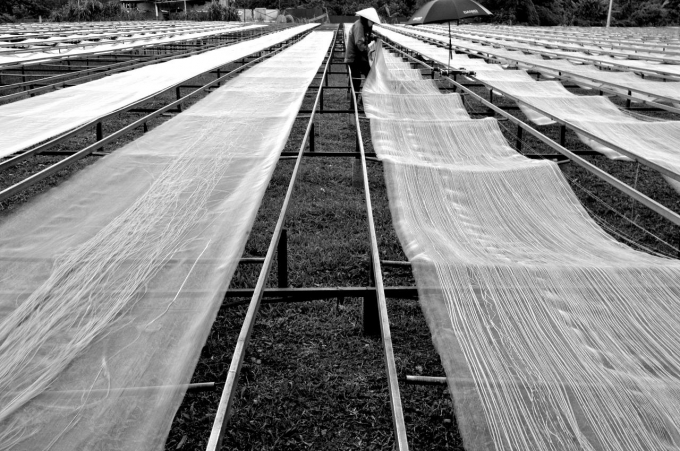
x: 609, y: 14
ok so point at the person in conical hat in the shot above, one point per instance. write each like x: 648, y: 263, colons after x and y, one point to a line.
x: 356, y: 47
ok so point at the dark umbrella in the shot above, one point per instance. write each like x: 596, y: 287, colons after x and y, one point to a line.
x: 438, y: 11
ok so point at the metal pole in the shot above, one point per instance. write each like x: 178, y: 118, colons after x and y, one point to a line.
x: 384, y: 321
x: 100, y: 134
x: 609, y: 14
x: 311, y: 135
x: 282, y: 257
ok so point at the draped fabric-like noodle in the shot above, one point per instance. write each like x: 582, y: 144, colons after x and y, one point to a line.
x: 109, y: 283
x: 553, y: 335
x: 653, y: 140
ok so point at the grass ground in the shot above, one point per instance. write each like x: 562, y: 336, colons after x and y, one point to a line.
x: 311, y: 380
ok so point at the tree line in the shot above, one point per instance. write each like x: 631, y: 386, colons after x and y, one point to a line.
x: 528, y: 12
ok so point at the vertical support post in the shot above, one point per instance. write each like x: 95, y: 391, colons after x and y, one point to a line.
x: 370, y: 316
x: 628, y: 100
x: 455, y: 88
x: 311, y: 138
x: 179, y: 96
x: 146, y: 127
x: 518, y: 143
x: 282, y: 257
x: 563, y: 132
x: 219, y: 74
x: 491, y: 95
x: 100, y: 134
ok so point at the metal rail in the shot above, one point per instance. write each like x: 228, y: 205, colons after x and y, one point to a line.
x: 29, y: 181
x: 227, y: 398
x: 611, y: 180
x: 392, y: 379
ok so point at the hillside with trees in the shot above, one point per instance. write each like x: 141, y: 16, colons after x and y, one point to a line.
x: 529, y: 12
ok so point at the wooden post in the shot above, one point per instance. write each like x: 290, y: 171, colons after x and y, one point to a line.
x: 518, y: 144
x: 282, y: 257
x: 311, y: 138
x: 100, y: 135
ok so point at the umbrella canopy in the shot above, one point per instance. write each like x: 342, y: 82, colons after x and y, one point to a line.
x: 447, y: 10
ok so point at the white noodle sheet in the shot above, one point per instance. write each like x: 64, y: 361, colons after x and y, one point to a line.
x: 553, y: 335
x: 110, y: 282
